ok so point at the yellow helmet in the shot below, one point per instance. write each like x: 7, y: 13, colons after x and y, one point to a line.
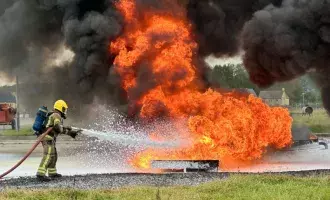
x: 61, y: 106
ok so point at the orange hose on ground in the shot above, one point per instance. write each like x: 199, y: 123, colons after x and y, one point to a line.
x: 27, y: 154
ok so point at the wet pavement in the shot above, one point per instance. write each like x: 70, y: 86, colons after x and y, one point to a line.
x: 75, y: 158
x: 78, y: 159
x: 304, y: 157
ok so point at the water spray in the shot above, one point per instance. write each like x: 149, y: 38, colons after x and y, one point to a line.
x: 105, y: 136
x: 128, y: 139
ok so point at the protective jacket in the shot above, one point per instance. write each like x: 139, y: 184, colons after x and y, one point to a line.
x: 56, y: 122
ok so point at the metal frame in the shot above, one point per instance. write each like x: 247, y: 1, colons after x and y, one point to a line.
x: 186, y: 165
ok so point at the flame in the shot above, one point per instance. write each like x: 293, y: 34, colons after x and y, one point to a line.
x: 155, y: 60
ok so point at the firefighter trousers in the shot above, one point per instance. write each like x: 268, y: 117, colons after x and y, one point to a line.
x: 48, y: 162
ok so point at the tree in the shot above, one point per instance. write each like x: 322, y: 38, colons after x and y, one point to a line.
x: 235, y: 76
x: 223, y: 76
x: 231, y: 76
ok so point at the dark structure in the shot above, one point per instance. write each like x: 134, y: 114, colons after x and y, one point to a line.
x: 307, y: 110
x: 186, y: 165
x: 301, y: 135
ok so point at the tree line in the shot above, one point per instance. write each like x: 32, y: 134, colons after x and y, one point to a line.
x: 235, y: 76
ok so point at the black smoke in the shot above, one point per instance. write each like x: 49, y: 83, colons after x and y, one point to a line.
x: 88, y: 28
x: 25, y: 41
x: 281, y: 39
x: 218, y: 23
x: 32, y: 31
x: 282, y: 43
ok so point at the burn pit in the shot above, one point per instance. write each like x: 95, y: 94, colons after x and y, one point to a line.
x: 160, y: 45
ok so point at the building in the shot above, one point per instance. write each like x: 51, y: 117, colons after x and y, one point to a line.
x: 275, y: 97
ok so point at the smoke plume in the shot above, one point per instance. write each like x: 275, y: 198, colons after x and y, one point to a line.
x: 32, y: 31
x: 219, y: 22
x: 282, y: 43
x: 282, y: 39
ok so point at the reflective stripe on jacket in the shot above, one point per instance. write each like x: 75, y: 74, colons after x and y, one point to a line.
x: 54, y: 120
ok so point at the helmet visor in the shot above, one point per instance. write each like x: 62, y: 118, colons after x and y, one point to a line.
x: 64, y: 110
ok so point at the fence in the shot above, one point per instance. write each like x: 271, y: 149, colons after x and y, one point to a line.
x: 315, y: 106
x: 24, y: 115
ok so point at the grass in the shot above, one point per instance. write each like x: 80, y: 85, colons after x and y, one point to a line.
x: 24, y: 131
x: 234, y: 188
x: 319, y: 122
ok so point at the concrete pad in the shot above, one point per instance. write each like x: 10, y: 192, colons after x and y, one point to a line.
x: 86, y: 157
x: 74, y: 159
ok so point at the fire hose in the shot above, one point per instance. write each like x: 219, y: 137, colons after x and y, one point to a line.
x: 27, y: 154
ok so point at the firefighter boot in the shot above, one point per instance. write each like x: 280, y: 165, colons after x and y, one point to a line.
x: 53, y: 176
x: 43, y: 178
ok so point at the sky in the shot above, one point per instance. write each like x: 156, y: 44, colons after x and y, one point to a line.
x: 5, y: 81
x: 212, y: 61
x: 63, y: 55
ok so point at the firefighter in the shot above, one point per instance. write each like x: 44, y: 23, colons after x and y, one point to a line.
x: 54, y: 120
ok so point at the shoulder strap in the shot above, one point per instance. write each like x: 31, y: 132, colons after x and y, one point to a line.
x: 49, y: 114
x: 47, y: 118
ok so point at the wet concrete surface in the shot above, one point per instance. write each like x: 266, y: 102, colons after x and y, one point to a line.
x: 87, y: 164
x: 82, y: 157
x: 299, y: 158
x: 74, y: 158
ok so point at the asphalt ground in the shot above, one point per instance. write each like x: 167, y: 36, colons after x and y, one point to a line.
x: 115, y: 181
x: 112, y: 181
x: 96, y: 157
x: 88, y: 164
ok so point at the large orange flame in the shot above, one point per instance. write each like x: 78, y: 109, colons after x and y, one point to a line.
x: 219, y: 125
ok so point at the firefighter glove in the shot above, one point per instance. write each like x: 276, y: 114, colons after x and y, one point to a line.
x: 66, y: 130
x: 74, y: 133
